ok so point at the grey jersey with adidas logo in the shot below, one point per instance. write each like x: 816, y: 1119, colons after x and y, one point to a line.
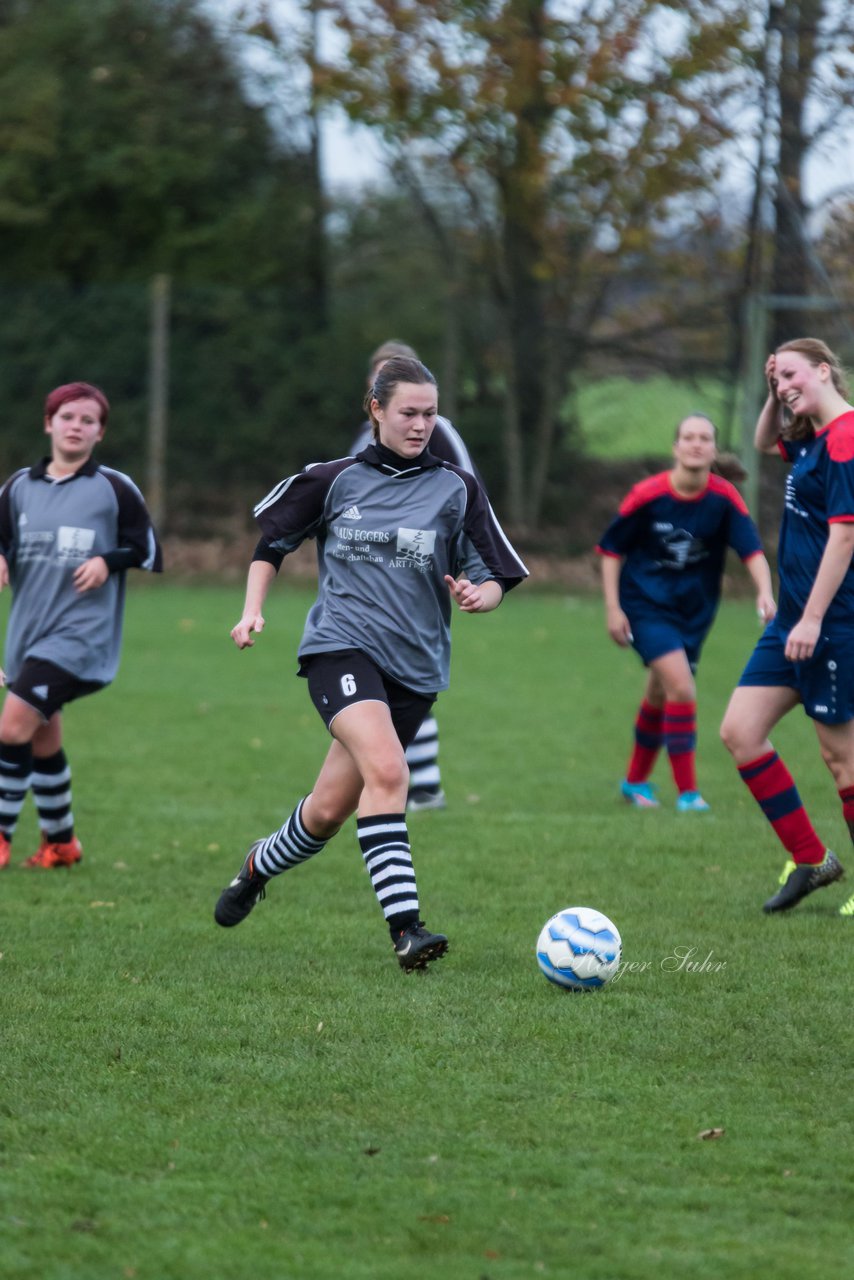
x: 387, y: 532
x: 47, y: 528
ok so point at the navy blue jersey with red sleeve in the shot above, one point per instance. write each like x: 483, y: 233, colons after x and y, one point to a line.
x: 819, y: 493
x: 675, y: 547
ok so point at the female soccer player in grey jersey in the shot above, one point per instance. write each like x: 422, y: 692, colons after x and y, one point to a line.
x: 69, y: 529
x: 399, y: 535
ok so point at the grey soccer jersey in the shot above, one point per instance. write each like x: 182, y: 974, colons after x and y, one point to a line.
x: 47, y: 528
x: 387, y: 532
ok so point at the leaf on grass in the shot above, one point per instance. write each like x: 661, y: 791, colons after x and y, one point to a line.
x: 705, y: 1134
x: 102, y: 904
x: 433, y: 1217
x: 84, y: 1224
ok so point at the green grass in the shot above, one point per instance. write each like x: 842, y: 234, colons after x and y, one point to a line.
x: 636, y: 417
x: 279, y: 1101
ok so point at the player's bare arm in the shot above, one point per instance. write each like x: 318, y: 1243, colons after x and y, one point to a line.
x: 616, y: 622
x: 261, y: 574
x: 835, y: 562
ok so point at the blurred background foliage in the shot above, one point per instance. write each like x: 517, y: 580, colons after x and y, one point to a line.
x: 554, y: 230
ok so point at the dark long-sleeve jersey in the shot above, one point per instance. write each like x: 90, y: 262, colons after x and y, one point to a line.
x: 48, y: 528
x: 387, y: 531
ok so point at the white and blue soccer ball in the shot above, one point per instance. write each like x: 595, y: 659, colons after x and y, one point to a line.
x: 579, y: 948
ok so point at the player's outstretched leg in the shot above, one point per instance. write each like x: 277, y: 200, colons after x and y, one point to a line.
x: 284, y: 849
x: 806, y: 878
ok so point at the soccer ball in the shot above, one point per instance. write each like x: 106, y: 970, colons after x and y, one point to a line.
x: 579, y: 948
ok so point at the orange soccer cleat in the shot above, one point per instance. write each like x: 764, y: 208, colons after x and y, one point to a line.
x: 51, y: 854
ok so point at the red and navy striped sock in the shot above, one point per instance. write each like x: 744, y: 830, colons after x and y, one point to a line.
x: 773, y: 787
x: 680, y: 737
x: 648, y: 740
x: 846, y: 795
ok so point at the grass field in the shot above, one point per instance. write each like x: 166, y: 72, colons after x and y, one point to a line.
x: 636, y: 417
x: 279, y: 1102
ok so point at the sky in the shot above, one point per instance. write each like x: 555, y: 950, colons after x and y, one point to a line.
x: 352, y: 157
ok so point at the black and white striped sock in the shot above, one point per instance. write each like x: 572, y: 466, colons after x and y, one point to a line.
x: 422, y: 756
x: 287, y: 847
x: 51, y: 783
x: 384, y: 841
x: 15, y: 767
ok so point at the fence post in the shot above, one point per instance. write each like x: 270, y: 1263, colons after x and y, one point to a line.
x: 158, y: 395
x: 756, y: 335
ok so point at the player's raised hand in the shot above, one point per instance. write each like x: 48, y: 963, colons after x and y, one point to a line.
x: 242, y: 633
x: 771, y: 374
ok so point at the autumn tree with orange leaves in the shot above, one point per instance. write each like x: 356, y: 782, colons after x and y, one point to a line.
x: 545, y: 144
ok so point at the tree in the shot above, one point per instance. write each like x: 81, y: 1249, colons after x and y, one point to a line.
x: 545, y: 143
x: 814, y: 59
x: 132, y: 146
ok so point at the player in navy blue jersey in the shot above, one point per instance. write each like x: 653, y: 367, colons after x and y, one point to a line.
x: 422, y: 755
x: 69, y: 531
x: 400, y: 536
x: 806, y: 655
x: 662, y: 563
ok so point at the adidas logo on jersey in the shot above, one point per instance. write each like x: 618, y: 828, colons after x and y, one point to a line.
x: 352, y: 513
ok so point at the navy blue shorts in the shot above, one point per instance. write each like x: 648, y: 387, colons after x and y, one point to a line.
x: 338, y: 680
x: 653, y: 636
x: 825, y: 681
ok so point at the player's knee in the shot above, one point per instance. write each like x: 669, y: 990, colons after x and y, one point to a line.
x: 732, y: 735
x: 390, y: 772
x: 323, y: 816
x: 838, y: 763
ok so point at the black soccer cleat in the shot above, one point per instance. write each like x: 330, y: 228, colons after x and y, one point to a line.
x: 247, y: 887
x: 416, y: 946
x: 806, y: 878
